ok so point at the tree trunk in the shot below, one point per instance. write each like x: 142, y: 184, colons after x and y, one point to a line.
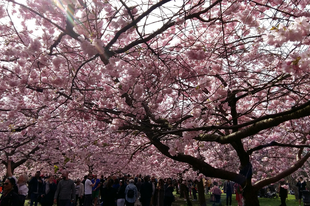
x: 201, y: 194
x: 250, y: 196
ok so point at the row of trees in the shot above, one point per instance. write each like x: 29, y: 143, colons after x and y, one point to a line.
x: 217, y: 86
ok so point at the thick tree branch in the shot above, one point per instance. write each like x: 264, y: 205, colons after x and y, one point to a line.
x: 283, y: 174
x: 274, y: 144
x: 268, y: 121
x: 198, y: 164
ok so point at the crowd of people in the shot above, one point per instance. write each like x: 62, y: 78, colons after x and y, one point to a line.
x: 46, y: 190
x: 121, y: 190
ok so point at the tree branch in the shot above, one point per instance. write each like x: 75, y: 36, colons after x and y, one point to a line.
x: 283, y: 174
x: 273, y: 144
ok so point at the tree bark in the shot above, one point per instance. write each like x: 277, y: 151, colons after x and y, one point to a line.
x: 250, y: 196
x: 201, y: 194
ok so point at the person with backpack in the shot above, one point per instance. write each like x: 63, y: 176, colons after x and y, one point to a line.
x: 131, y: 193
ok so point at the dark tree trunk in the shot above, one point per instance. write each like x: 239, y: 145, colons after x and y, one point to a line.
x: 250, y: 196
x: 201, y: 194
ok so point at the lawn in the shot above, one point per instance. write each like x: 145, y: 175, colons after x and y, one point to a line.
x: 263, y: 201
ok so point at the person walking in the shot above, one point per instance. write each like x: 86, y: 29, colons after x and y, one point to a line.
x: 131, y: 193
x: 65, y: 193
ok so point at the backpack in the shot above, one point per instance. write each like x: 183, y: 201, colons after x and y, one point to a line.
x: 130, y: 193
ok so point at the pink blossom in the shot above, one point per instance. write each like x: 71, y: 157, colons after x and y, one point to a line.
x: 35, y: 45
x: 196, y: 55
x: 88, y: 49
x: 57, y: 61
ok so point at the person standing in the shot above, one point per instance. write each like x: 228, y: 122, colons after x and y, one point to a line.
x: 154, y: 191
x: 96, y: 189
x: 48, y: 191
x: 239, y: 197
x: 160, y: 192
x: 9, y: 197
x: 109, y: 194
x: 21, y: 183
x: 35, y: 186
x: 301, y: 185
x: 194, y: 189
x: 88, y: 191
x: 120, y: 197
x: 131, y: 193
x: 283, y: 190
x: 228, y: 189
x: 168, y: 198
x: 146, y: 192
x: 79, y: 192
x: 65, y: 193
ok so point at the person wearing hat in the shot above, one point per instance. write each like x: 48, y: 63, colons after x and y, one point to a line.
x: 9, y: 196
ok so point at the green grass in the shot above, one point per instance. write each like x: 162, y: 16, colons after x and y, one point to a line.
x: 263, y: 201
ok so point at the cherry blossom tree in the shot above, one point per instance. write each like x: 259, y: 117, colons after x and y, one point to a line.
x: 219, y: 85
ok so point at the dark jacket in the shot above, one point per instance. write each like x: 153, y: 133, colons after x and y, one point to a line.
x: 283, y: 192
x: 301, y: 185
x: 10, y: 199
x: 146, y: 191
x: 35, y: 186
x: 121, y: 192
x: 168, y: 190
x: 48, y: 198
x: 109, y: 196
x: 228, y: 187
